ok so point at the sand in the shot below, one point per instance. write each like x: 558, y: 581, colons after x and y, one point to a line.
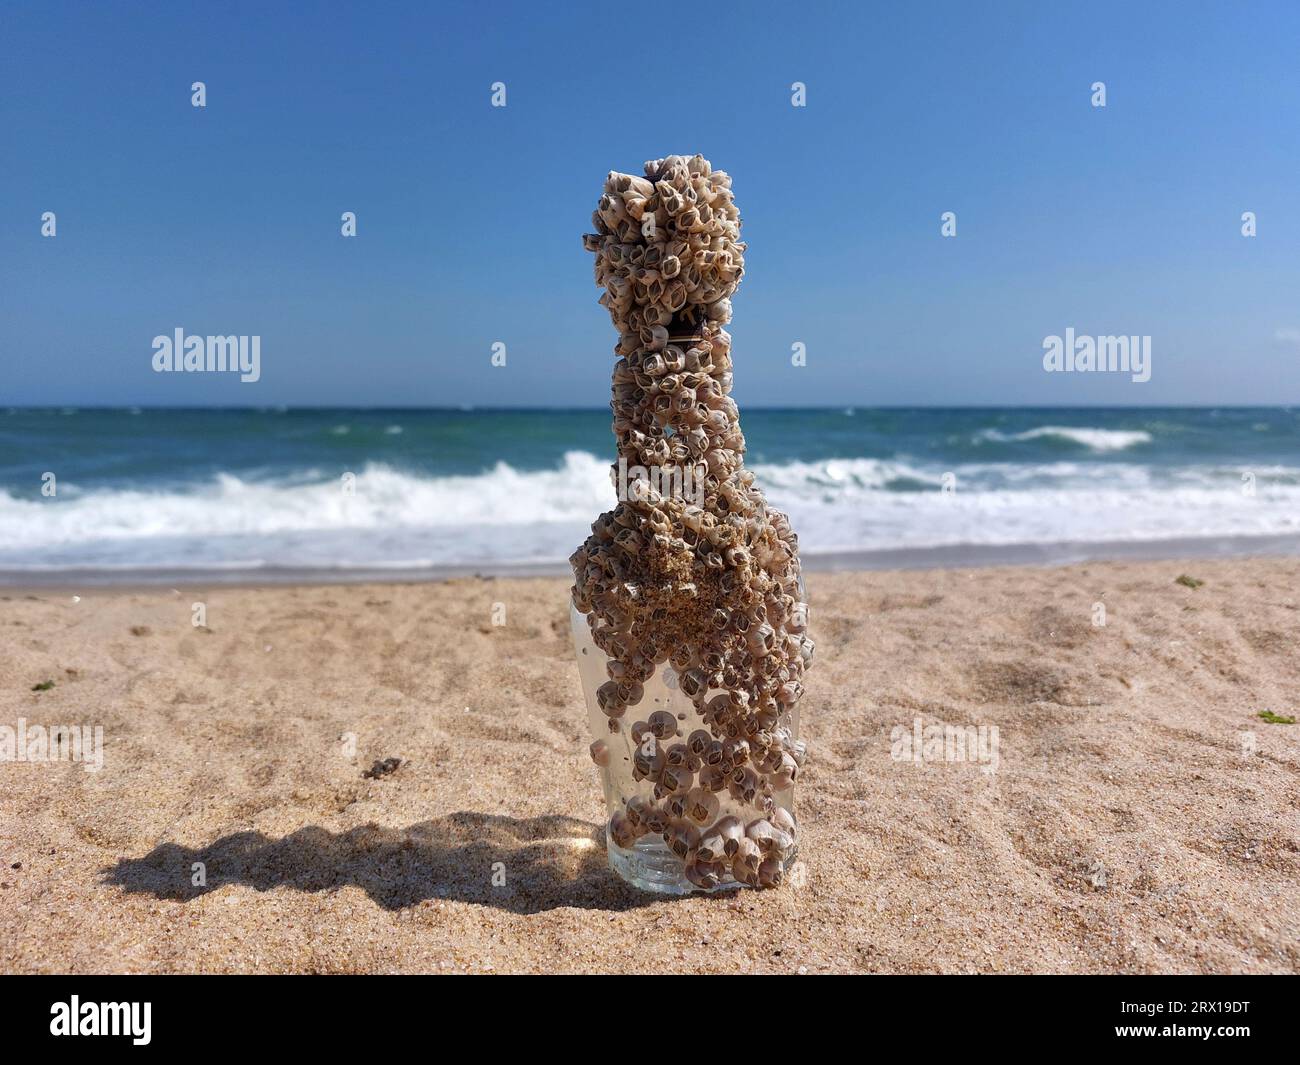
x: 1140, y: 816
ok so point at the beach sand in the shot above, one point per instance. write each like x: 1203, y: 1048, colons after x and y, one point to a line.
x: 1140, y: 818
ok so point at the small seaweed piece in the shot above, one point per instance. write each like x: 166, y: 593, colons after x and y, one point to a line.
x: 43, y: 686
x: 1275, y: 719
x: 382, y: 768
x: 1188, y: 582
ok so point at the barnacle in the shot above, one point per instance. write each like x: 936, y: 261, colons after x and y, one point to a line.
x: 710, y: 585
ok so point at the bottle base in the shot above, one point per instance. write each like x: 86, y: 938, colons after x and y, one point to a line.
x: 651, y: 866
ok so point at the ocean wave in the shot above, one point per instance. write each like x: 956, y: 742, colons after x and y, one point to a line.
x: 1098, y: 440
x: 380, y: 498
x: 504, y: 514
x: 843, y: 475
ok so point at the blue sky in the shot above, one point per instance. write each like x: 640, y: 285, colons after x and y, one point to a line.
x: 226, y: 219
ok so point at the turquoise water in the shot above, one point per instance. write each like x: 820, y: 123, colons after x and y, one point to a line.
x: 231, y: 491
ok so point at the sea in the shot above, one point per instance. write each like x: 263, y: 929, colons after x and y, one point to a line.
x: 128, y: 496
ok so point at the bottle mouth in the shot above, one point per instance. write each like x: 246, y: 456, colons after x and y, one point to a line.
x: 687, y: 324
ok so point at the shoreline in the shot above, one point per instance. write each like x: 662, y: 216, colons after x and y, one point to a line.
x: 958, y: 556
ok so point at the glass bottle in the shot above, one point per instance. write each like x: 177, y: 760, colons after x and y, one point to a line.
x: 649, y: 863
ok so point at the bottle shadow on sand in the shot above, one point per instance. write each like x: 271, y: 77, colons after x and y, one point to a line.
x: 524, y: 865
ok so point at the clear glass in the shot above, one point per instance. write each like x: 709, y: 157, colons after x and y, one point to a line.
x: 649, y: 864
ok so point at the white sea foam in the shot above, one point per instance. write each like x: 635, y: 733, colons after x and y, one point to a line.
x: 401, y: 519
x: 383, y: 498
x: 1098, y: 440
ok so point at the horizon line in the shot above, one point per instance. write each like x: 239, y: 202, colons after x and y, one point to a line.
x: 284, y: 408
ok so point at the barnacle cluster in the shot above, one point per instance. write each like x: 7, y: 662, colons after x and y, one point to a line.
x: 709, y: 585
